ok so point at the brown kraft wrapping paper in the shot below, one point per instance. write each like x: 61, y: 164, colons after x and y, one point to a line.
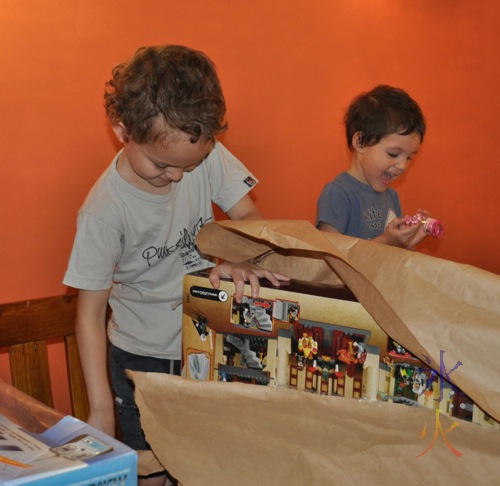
x: 211, y: 433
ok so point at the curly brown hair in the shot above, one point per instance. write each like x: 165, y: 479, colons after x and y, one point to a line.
x: 166, y: 88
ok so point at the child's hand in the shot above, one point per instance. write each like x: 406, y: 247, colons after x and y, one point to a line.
x: 420, y: 234
x: 403, y: 235
x: 241, y: 273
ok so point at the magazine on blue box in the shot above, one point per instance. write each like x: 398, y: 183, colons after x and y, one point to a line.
x: 69, y: 453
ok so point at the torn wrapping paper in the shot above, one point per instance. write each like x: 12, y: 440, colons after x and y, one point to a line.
x: 445, y: 312
x: 209, y: 433
x: 437, y: 309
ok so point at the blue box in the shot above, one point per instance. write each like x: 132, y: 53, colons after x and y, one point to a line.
x: 117, y: 466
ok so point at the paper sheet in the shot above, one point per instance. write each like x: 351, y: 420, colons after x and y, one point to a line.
x: 219, y: 433
x: 222, y: 434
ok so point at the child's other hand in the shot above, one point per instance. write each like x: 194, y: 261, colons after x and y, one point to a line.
x: 420, y: 234
x: 403, y: 235
x: 241, y: 273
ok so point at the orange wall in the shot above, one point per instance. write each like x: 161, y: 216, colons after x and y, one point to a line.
x: 288, y: 69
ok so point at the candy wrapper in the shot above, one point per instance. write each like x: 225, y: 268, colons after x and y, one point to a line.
x: 432, y: 227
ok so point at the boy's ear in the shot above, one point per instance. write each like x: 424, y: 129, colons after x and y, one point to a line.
x: 120, y: 132
x: 356, y: 141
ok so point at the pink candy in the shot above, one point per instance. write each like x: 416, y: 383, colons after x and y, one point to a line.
x: 432, y: 227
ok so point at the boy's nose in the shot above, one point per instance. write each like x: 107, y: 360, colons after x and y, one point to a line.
x: 402, y: 165
x: 174, y: 174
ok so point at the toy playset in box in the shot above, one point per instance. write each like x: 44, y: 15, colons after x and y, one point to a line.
x: 310, y: 337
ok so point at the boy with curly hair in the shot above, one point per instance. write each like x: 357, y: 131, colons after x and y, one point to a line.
x: 136, y: 229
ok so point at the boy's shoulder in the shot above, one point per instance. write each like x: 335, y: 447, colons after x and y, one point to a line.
x: 105, y: 197
x: 221, y: 162
x: 347, y: 182
x: 219, y: 152
x: 101, y: 185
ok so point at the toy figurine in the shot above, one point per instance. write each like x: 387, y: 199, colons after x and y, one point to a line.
x: 360, y: 352
x: 432, y: 227
x: 201, y: 326
x: 324, y: 367
x: 347, y: 355
x: 293, y: 314
x: 248, y: 315
x: 307, y: 348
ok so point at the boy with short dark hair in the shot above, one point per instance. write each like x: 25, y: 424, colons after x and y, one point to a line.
x: 137, y: 227
x: 384, y: 129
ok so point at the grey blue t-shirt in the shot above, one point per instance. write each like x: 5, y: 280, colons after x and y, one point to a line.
x: 355, y: 209
x: 140, y: 245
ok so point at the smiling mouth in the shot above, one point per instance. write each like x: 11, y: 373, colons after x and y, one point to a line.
x: 387, y: 177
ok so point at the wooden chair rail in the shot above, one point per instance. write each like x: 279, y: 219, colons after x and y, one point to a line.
x: 25, y: 329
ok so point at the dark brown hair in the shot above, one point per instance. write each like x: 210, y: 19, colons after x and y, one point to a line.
x: 166, y: 88
x: 380, y: 112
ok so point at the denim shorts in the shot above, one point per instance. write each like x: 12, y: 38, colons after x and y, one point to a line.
x: 123, y: 388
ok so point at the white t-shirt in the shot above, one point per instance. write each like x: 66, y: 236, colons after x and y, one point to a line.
x: 140, y: 245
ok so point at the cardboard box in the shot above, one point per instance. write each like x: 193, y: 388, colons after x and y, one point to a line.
x: 39, y: 447
x: 310, y: 337
x: 210, y: 316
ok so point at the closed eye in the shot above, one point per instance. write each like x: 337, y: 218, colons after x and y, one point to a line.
x: 395, y: 156
x: 159, y: 166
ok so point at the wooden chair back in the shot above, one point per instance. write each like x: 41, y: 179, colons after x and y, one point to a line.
x: 25, y: 329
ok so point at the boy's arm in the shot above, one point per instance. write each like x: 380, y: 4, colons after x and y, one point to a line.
x: 244, y: 272
x: 244, y: 209
x: 327, y: 227
x: 397, y: 233
x: 92, y: 347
